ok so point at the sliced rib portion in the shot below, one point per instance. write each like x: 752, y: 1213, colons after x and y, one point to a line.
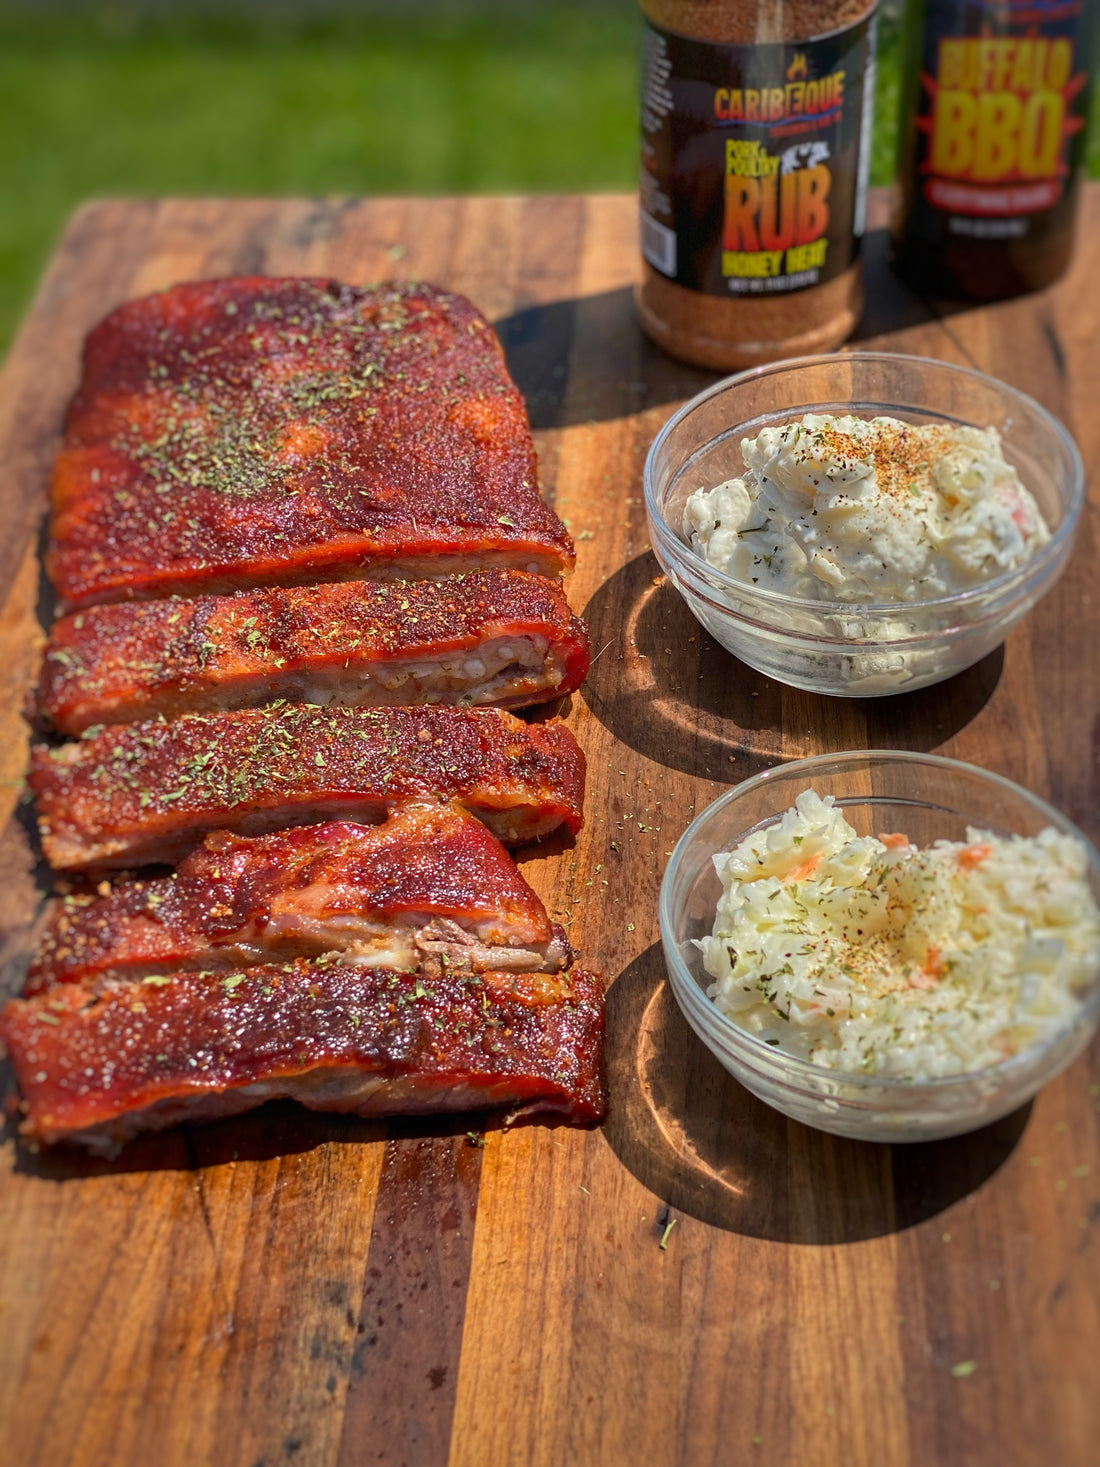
x: 499, y: 637
x: 150, y: 791
x: 96, y: 1068
x: 252, y: 431
x: 427, y: 890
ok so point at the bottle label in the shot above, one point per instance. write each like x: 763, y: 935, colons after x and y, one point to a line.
x: 1001, y: 114
x: 755, y: 159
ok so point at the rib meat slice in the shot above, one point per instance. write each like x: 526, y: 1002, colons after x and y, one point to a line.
x: 96, y: 1068
x: 150, y: 791
x: 251, y: 431
x: 500, y: 637
x: 427, y: 890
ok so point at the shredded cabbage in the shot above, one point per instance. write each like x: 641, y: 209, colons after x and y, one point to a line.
x: 865, y: 954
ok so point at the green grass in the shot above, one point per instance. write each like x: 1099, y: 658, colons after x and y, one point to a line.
x: 474, y: 98
x: 347, y: 105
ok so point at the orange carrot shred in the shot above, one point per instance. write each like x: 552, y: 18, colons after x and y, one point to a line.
x: 807, y: 868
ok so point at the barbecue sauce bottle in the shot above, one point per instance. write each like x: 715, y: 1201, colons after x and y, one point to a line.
x: 994, y: 106
x: 756, y: 133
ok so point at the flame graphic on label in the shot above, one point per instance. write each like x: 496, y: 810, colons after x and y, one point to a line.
x: 797, y: 69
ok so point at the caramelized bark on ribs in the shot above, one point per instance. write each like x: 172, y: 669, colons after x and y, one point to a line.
x: 147, y: 792
x: 96, y: 1068
x: 500, y: 637
x: 428, y: 890
x: 250, y: 431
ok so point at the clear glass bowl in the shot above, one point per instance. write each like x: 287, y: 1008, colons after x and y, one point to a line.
x: 857, y: 651
x: 926, y: 798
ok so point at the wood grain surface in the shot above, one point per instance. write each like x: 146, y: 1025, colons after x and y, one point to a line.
x: 699, y: 1281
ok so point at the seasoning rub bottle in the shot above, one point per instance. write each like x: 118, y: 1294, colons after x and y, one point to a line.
x: 995, y: 98
x: 756, y: 132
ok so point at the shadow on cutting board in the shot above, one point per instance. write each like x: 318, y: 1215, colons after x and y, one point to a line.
x: 279, y: 1129
x: 558, y: 355
x: 709, y: 1149
x: 891, y: 306
x: 666, y: 688
x: 271, y: 1132
x: 558, y: 351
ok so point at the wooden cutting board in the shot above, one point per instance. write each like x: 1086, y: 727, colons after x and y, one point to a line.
x: 699, y: 1281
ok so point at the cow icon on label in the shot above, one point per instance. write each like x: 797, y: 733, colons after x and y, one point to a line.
x: 803, y: 155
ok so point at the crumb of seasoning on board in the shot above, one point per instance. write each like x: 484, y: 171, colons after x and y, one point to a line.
x: 963, y: 1369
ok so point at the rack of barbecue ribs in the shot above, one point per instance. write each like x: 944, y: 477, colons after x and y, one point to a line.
x: 401, y: 967
x: 252, y: 431
x: 504, y: 638
x: 96, y: 1067
x: 429, y: 890
x: 147, y: 792
x: 305, y: 569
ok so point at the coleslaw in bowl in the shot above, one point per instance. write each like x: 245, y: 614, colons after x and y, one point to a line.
x: 899, y: 989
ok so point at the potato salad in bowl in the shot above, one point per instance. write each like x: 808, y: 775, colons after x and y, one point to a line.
x: 852, y: 509
x: 864, y: 523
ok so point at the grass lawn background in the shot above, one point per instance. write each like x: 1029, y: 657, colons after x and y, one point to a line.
x: 141, y: 99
